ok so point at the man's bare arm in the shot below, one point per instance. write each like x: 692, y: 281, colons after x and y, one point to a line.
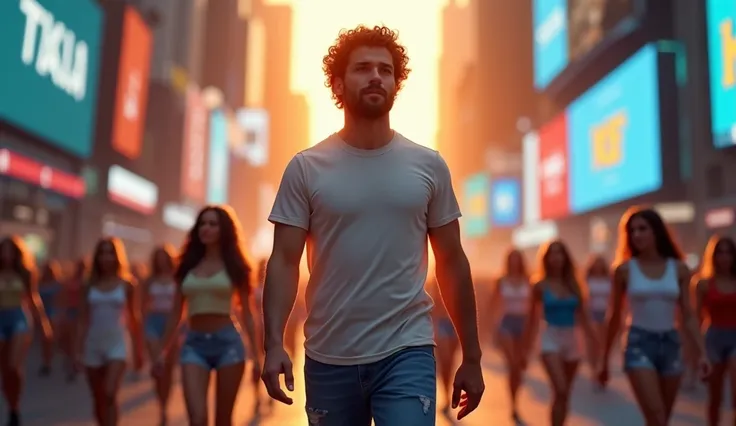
x: 456, y: 286
x: 282, y: 281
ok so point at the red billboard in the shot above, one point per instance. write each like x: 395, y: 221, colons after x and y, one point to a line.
x: 132, y: 88
x: 195, y: 147
x: 553, y: 172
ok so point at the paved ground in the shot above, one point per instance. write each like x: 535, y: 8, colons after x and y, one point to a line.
x: 51, y: 401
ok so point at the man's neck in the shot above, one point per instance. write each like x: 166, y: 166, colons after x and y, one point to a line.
x: 367, y: 134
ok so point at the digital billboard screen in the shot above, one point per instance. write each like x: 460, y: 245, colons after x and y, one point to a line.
x: 721, y: 21
x: 614, y: 137
x: 567, y: 30
x: 476, y: 190
x: 50, y: 54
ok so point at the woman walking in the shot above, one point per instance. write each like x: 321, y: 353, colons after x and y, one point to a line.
x: 651, y: 274
x: 715, y: 304
x: 108, y: 311
x: 212, y: 273
x: 564, y: 308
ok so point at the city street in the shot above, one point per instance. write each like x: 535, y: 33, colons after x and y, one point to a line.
x: 53, y: 402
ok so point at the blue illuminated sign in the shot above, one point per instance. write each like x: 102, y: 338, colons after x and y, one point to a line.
x: 505, y: 202
x: 475, y: 205
x: 614, y: 144
x: 550, y: 40
x: 219, y: 159
x: 721, y: 17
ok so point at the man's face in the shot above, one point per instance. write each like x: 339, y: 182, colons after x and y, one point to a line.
x: 369, y: 87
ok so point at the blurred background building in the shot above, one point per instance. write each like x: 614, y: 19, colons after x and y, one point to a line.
x: 554, y: 116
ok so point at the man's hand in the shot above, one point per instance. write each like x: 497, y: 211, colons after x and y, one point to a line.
x: 468, y: 388
x: 277, y: 363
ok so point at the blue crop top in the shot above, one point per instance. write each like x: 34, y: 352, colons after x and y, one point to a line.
x: 559, y: 311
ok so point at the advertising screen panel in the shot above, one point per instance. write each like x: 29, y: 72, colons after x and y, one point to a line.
x: 132, y: 89
x: 219, y: 159
x: 721, y: 17
x: 614, y: 136
x: 476, y: 190
x: 50, y: 54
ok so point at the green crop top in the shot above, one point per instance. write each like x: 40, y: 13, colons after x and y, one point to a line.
x: 210, y: 295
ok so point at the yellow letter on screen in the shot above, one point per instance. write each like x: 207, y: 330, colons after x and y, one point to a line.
x: 728, y: 41
x: 608, y: 138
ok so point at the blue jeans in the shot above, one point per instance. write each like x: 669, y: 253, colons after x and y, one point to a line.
x: 215, y: 350
x: 13, y: 321
x: 720, y: 344
x: 660, y: 351
x: 397, y: 391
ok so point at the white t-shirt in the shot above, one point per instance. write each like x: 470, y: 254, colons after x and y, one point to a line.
x: 367, y: 213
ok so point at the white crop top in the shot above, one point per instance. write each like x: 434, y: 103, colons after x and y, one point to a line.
x: 515, y: 297
x: 599, y: 294
x: 107, y: 309
x: 653, y: 302
x: 161, y: 296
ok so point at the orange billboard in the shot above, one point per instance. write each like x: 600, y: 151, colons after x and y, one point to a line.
x: 132, y: 85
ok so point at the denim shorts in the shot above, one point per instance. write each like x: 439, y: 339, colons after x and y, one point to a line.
x: 512, y: 325
x: 445, y: 329
x: 13, y: 321
x: 214, y: 350
x: 720, y: 344
x: 398, y: 390
x: 155, y: 325
x: 655, y: 350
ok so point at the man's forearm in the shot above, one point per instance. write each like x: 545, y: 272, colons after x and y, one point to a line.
x: 279, y: 296
x: 458, y: 294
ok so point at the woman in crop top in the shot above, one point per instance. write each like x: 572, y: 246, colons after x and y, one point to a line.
x: 558, y: 292
x: 652, y: 277
x: 715, y: 304
x: 510, y: 305
x: 49, y: 288
x: 598, y: 279
x: 109, y: 311
x: 212, y: 273
x: 70, y: 303
x: 158, y: 302
x: 18, y: 291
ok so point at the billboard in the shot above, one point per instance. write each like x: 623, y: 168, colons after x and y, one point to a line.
x: 614, y: 135
x: 194, y: 149
x: 721, y: 21
x: 505, y: 202
x: 567, y: 30
x: 553, y: 175
x: 476, y: 190
x: 132, y: 191
x: 132, y: 85
x: 254, y: 133
x: 219, y: 159
x: 50, y: 54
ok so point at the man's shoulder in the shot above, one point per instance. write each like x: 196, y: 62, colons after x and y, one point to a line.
x: 416, y: 149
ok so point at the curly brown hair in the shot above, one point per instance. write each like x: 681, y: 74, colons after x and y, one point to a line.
x: 335, y: 63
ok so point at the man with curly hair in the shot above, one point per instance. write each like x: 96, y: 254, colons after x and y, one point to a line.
x: 365, y: 201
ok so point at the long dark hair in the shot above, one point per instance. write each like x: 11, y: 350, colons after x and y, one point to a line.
x: 522, y: 264
x: 665, y: 244
x: 569, y: 271
x: 122, y: 268
x: 23, y: 262
x: 595, y: 261
x: 708, y: 267
x: 168, y: 251
x: 51, y: 272
x: 237, y: 266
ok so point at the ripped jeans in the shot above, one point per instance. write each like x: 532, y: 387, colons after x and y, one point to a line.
x: 397, y: 391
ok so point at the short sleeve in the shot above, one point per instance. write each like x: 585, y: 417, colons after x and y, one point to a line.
x: 292, y: 200
x: 443, y: 206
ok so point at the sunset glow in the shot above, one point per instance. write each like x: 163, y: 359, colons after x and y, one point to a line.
x: 317, y: 23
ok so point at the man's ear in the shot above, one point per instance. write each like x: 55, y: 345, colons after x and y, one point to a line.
x: 338, y: 87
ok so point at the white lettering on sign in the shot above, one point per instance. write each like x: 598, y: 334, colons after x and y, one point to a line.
x: 132, y: 94
x: 55, y: 50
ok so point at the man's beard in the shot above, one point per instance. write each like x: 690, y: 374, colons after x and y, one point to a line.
x: 361, y: 108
